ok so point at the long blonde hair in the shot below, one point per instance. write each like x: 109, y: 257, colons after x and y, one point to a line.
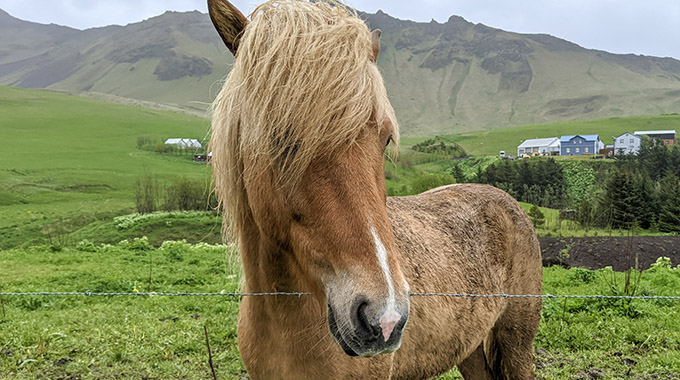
x: 303, y: 84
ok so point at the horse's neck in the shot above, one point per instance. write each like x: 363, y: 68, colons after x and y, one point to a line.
x: 285, y: 326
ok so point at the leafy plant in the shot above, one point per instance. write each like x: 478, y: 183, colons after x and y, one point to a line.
x: 536, y: 216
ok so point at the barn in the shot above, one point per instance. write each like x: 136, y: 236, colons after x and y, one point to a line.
x: 550, y: 145
x: 184, y: 143
x: 668, y: 137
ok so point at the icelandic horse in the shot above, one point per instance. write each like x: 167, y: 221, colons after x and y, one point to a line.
x: 299, y: 137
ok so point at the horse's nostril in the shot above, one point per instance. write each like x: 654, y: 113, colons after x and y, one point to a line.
x: 372, y: 330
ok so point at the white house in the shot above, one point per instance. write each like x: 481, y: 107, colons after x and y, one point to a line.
x: 549, y: 146
x: 627, y: 143
x: 184, y: 143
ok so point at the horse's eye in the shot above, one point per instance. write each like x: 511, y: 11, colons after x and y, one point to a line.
x: 389, y: 139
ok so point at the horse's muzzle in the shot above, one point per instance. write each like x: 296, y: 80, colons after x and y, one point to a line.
x: 366, y: 332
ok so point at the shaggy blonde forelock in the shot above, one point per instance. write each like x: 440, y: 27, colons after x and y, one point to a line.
x: 303, y: 84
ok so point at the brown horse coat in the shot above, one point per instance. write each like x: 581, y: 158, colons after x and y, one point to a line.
x: 299, y: 136
x: 459, y: 238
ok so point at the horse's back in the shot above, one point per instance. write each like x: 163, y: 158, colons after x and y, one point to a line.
x: 467, y: 238
x: 479, y: 222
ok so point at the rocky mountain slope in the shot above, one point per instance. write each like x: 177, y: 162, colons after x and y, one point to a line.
x: 442, y: 78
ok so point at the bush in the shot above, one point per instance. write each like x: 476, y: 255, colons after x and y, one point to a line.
x: 125, y: 222
x: 536, y: 216
x: 186, y: 194
x: 175, y: 250
x: 183, y: 194
x: 147, y: 193
x: 437, y: 146
x: 86, y: 246
x: 137, y: 244
x: 430, y: 181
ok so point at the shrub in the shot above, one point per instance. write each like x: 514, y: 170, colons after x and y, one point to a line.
x: 186, y: 194
x: 146, y: 194
x: 437, y: 146
x: 137, y: 244
x: 175, y: 250
x: 125, y: 222
x: 430, y: 181
x: 86, y: 246
x: 536, y: 216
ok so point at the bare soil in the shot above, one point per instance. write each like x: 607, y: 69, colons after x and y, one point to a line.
x: 620, y: 253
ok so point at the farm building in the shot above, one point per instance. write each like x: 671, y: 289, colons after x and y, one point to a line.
x: 627, y: 143
x: 184, y: 143
x: 668, y: 137
x: 549, y: 145
x: 577, y: 145
x: 608, y: 150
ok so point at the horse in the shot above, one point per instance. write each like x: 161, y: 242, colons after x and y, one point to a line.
x: 300, y: 134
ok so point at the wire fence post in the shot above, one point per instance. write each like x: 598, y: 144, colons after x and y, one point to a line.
x: 207, y: 343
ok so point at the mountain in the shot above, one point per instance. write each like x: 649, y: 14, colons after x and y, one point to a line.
x: 441, y: 77
x: 175, y: 58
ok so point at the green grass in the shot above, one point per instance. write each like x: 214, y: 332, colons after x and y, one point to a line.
x: 74, y: 160
x: 491, y: 142
x: 118, y: 337
x: 162, y: 337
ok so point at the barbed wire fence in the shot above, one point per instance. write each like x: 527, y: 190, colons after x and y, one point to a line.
x: 234, y: 295
x: 300, y: 294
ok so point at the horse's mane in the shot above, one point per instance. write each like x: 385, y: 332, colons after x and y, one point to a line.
x: 303, y: 84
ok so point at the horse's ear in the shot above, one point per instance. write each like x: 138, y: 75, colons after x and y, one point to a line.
x: 229, y: 22
x: 375, y: 43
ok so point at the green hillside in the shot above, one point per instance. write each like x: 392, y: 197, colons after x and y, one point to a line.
x: 442, y: 78
x: 70, y: 158
x: 490, y: 142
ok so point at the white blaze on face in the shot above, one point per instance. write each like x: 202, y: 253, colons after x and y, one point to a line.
x: 391, y: 316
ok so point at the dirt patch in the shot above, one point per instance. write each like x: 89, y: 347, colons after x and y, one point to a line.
x: 618, y: 252
x: 85, y: 188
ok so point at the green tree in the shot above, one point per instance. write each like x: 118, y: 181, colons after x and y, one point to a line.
x: 536, y: 216
x: 615, y: 205
x: 457, y: 173
x: 669, y: 214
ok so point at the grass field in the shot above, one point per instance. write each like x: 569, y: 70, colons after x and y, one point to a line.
x: 67, y: 173
x: 72, y: 160
x: 163, y: 338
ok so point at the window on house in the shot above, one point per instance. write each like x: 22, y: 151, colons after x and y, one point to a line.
x: 632, y: 141
x: 578, y: 150
x: 568, y: 150
x: 621, y: 141
x: 585, y: 150
x: 580, y: 141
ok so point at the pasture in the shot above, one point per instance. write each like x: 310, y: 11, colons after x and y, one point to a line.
x: 74, y: 160
x: 73, y: 163
x: 139, y: 337
x: 70, y: 171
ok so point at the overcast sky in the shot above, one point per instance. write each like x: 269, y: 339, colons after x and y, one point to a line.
x: 649, y: 27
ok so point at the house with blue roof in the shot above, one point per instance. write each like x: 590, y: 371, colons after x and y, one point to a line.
x: 577, y: 145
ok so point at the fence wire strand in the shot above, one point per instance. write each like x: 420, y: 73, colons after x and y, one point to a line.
x: 300, y: 294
